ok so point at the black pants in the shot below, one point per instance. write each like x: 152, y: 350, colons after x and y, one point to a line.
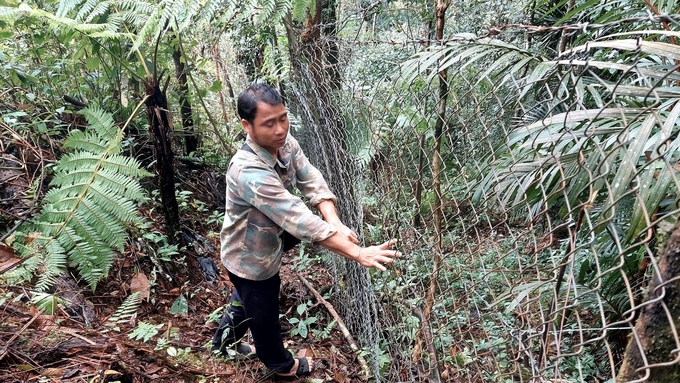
x: 255, y: 305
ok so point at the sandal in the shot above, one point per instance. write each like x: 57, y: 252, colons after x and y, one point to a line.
x: 304, y: 368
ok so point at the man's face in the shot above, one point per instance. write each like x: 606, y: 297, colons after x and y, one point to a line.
x: 270, y: 126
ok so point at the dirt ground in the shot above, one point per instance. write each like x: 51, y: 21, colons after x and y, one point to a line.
x: 76, y: 345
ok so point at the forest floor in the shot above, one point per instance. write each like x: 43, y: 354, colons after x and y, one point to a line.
x: 77, y: 345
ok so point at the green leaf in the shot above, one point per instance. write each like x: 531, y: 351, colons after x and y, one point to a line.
x: 666, y: 50
x: 310, y: 320
x: 216, y: 86
x: 180, y: 306
x: 92, y: 62
x: 301, y: 308
x: 302, y: 329
x: 630, y: 156
x: 48, y: 303
x: 145, y: 331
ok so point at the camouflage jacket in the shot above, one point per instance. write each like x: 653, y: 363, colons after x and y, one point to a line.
x: 260, y: 205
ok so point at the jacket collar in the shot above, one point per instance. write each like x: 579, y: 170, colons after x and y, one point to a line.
x: 268, y: 158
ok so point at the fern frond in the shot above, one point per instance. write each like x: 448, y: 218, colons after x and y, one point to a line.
x: 66, y: 6
x: 192, y: 9
x: 49, y: 267
x: 209, y: 11
x: 54, y: 261
x: 92, y: 198
x: 12, y: 14
x: 149, y: 28
x: 267, y: 9
x: 101, y: 122
x: 91, y: 142
x: 282, y: 9
x: 126, y: 310
x: 135, y: 12
x: 172, y: 10
x: 91, y: 9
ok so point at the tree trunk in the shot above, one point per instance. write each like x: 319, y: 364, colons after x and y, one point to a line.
x: 419, y: 182
x: 564, y: 37
x: 219, y: 73
x: 161, y: 126
x: 190, y: 138
x: 653, y: 340
x: 441, y: 8
x: 330, y: 31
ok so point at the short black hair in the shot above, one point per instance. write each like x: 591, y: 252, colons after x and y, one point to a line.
x: 248, y: 99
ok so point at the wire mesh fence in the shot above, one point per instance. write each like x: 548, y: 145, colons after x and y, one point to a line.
x: 534, y: 199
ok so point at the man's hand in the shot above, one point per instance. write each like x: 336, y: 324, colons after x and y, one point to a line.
x: 375, y: 256
x: 371, y: 256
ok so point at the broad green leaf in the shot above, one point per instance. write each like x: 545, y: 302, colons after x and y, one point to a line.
x: 180, y: 306
x: 302, y: 329
x: 216, y: 86
x: 92, y: 62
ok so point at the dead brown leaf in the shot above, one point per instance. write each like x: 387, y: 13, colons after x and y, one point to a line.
x: 6, y: 252
x: 32, y: 237
x: 339, y: 377
x: 305, y: 352
x: 53, y: 372
x: 140, y: 283
x: 153, y: 368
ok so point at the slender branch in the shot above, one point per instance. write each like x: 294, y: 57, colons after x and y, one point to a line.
x: 213, y: 124
x: 564, y: 36
x: 655, y: 11
x: 340, y: 323
x: 426, y: 330
x: 134, y: 112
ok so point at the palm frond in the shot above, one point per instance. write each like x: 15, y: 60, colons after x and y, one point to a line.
x: 609, y: 129
x: 500, y: 58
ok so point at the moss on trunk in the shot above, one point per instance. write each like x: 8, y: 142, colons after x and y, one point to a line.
x: 653, y: 339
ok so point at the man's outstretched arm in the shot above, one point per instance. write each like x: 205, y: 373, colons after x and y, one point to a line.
x: 371, y: 256
x: 330, y: 215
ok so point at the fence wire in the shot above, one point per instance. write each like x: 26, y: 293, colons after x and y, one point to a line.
x: 534, y: 202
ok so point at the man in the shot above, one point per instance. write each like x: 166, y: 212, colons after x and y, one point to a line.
x: 259, y: 208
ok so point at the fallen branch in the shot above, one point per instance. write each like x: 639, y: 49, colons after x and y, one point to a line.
x: 341, y: 324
